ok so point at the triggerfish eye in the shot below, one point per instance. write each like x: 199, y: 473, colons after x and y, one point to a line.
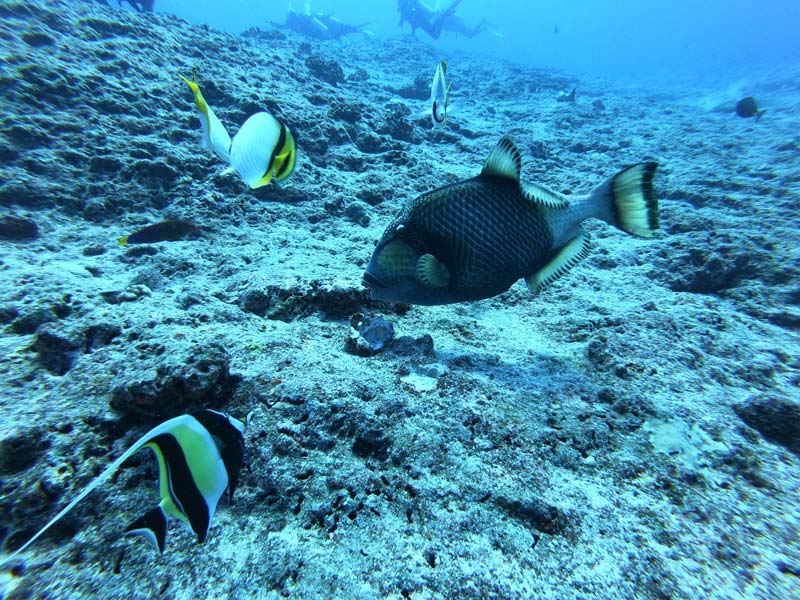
x: 262, y: 149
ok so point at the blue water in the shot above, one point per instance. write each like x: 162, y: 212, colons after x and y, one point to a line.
x: 637, y: 40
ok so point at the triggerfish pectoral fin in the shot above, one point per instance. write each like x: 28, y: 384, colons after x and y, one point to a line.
x: 213, y: 131
x: 263, y: 149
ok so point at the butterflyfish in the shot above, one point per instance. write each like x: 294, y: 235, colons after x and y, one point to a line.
x: 263, y: 149
x: 166, y: 231
x: 440, y: 95
x: 214, y: 134
x: 199, y: 455
x: 473, y: 239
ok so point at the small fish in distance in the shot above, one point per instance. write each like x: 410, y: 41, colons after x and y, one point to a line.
x: 166, y: 231
x: 748, y: 107
x: 199, y: 455
x: 565, y: 97
x: 440, y: 95
x: 473, y: 239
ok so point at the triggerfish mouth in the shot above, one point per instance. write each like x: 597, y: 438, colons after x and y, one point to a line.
x: 475, y: 238
x: 199, y: 455
x: 262, y: 150
x: 440, y: 95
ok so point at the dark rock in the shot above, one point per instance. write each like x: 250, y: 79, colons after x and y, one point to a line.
x: 94, y: 250
x: 17, y: 228
x: 774, y: 417
x: 357, y: 212
x: 21, y: 449
x: 417, y: 347
x: 100, y: 335
x: 255, y: 301
x: 420, y: 89
x: 8, y: 314
x: 372, y: 444
x: 368, y: 336
x: 28, y: 194
x: 263, y: 34
x: 397, y: 123
x: 29, y: 322
x: 536, y: 514
x: 56, y: 348
x: 325, y: 69
x: 288, y: 304
x: 349, y: 113
x: 198, y: 379
x: 37, y: 39
x: 374, y: 197
x: 359, y: 74
x: 597, y: 352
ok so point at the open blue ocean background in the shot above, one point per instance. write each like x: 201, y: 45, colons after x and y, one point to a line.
x: 203, y: 211
x: 637, y: 40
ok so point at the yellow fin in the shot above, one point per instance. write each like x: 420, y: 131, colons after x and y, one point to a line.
x: 123, y: 241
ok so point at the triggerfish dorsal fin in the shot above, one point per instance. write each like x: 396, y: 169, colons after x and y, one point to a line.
x: 193, y: 474
x: 544, y: 196
x: 263, y: 149
x: 571, y: 254
x: 504, y: 161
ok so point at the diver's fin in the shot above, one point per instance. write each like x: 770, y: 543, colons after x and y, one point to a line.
x: 541, y: 195
x: 152, y: 525
x: 432, y: 272
x: 504, y: 161
x: 633, y: 199
x: 573, y: 252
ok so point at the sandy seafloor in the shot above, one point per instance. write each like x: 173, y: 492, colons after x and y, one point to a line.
x: 633, y: 432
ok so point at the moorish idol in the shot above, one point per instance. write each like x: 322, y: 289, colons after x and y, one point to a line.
x: 199, y: 455
x: 214, y: 134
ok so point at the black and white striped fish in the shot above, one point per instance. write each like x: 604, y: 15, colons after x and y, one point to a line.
x: 199, y: 455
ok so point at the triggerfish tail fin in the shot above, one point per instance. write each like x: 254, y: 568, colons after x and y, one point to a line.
x: 123, y: 241
x: 263, y: 149
x: 215, y: 136
x: 152, y: 525
x: 760, y: 114
x: 628, y: 201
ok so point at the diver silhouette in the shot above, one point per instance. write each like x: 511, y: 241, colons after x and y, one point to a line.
x: 421, y: 16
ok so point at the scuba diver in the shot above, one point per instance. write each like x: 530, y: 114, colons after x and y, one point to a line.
x: 421, y: 16
x: 318, y: 25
